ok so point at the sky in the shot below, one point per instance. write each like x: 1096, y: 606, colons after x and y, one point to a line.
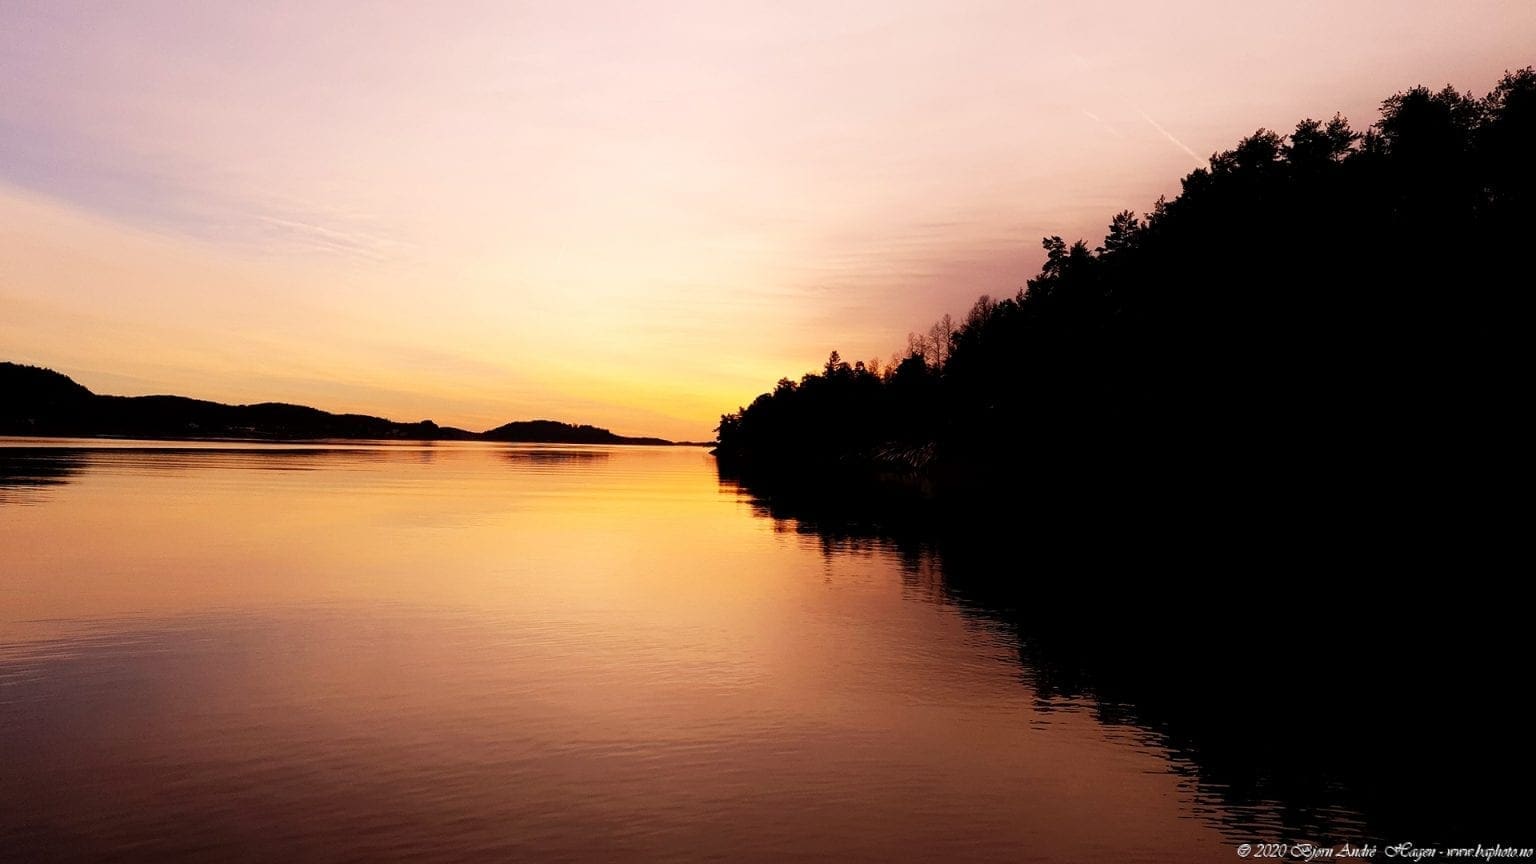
x: 632, y: 214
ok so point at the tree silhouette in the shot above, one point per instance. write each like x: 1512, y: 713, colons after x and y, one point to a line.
x: 1327, y: 315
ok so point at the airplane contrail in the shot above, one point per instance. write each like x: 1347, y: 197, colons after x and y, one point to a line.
x: 1099, y: 120
x: 1199, y: 163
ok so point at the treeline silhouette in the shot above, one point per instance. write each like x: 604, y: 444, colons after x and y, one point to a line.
x: 1331, y: 314
x: 37, y: 401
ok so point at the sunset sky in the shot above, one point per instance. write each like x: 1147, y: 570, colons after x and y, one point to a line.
x: 637, y: 215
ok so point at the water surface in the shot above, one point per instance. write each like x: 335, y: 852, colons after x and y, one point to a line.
x: 443, y: 652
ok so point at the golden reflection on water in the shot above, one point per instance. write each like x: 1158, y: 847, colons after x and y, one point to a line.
x: 466, y: 650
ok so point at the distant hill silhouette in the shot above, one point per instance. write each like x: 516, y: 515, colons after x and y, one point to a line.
x: 38, y: 401
x: 564, y: 433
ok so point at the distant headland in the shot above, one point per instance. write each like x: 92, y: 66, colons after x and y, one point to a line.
x: 42, y: 402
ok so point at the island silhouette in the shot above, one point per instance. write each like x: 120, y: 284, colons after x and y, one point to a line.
x: 42, y: 402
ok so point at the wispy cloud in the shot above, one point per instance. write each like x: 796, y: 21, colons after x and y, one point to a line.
x: 150, y: 177
x: 171, y: 193
x: 348, y: 240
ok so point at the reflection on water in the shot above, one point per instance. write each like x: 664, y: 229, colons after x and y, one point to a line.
x: 556, y: 456
x: 469, y: 651
x: 1317, y: 705
x: 25, y: 472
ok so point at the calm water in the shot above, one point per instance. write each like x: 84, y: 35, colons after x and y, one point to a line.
x: 463, y: 651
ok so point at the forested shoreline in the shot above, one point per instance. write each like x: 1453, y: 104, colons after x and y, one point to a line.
x: 1333, y: 313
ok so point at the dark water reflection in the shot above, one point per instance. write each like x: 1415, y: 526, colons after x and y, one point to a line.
x: 24, y: 473
x: 468, y: 652
x: 557, y: 457
x: 1328, y: 703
